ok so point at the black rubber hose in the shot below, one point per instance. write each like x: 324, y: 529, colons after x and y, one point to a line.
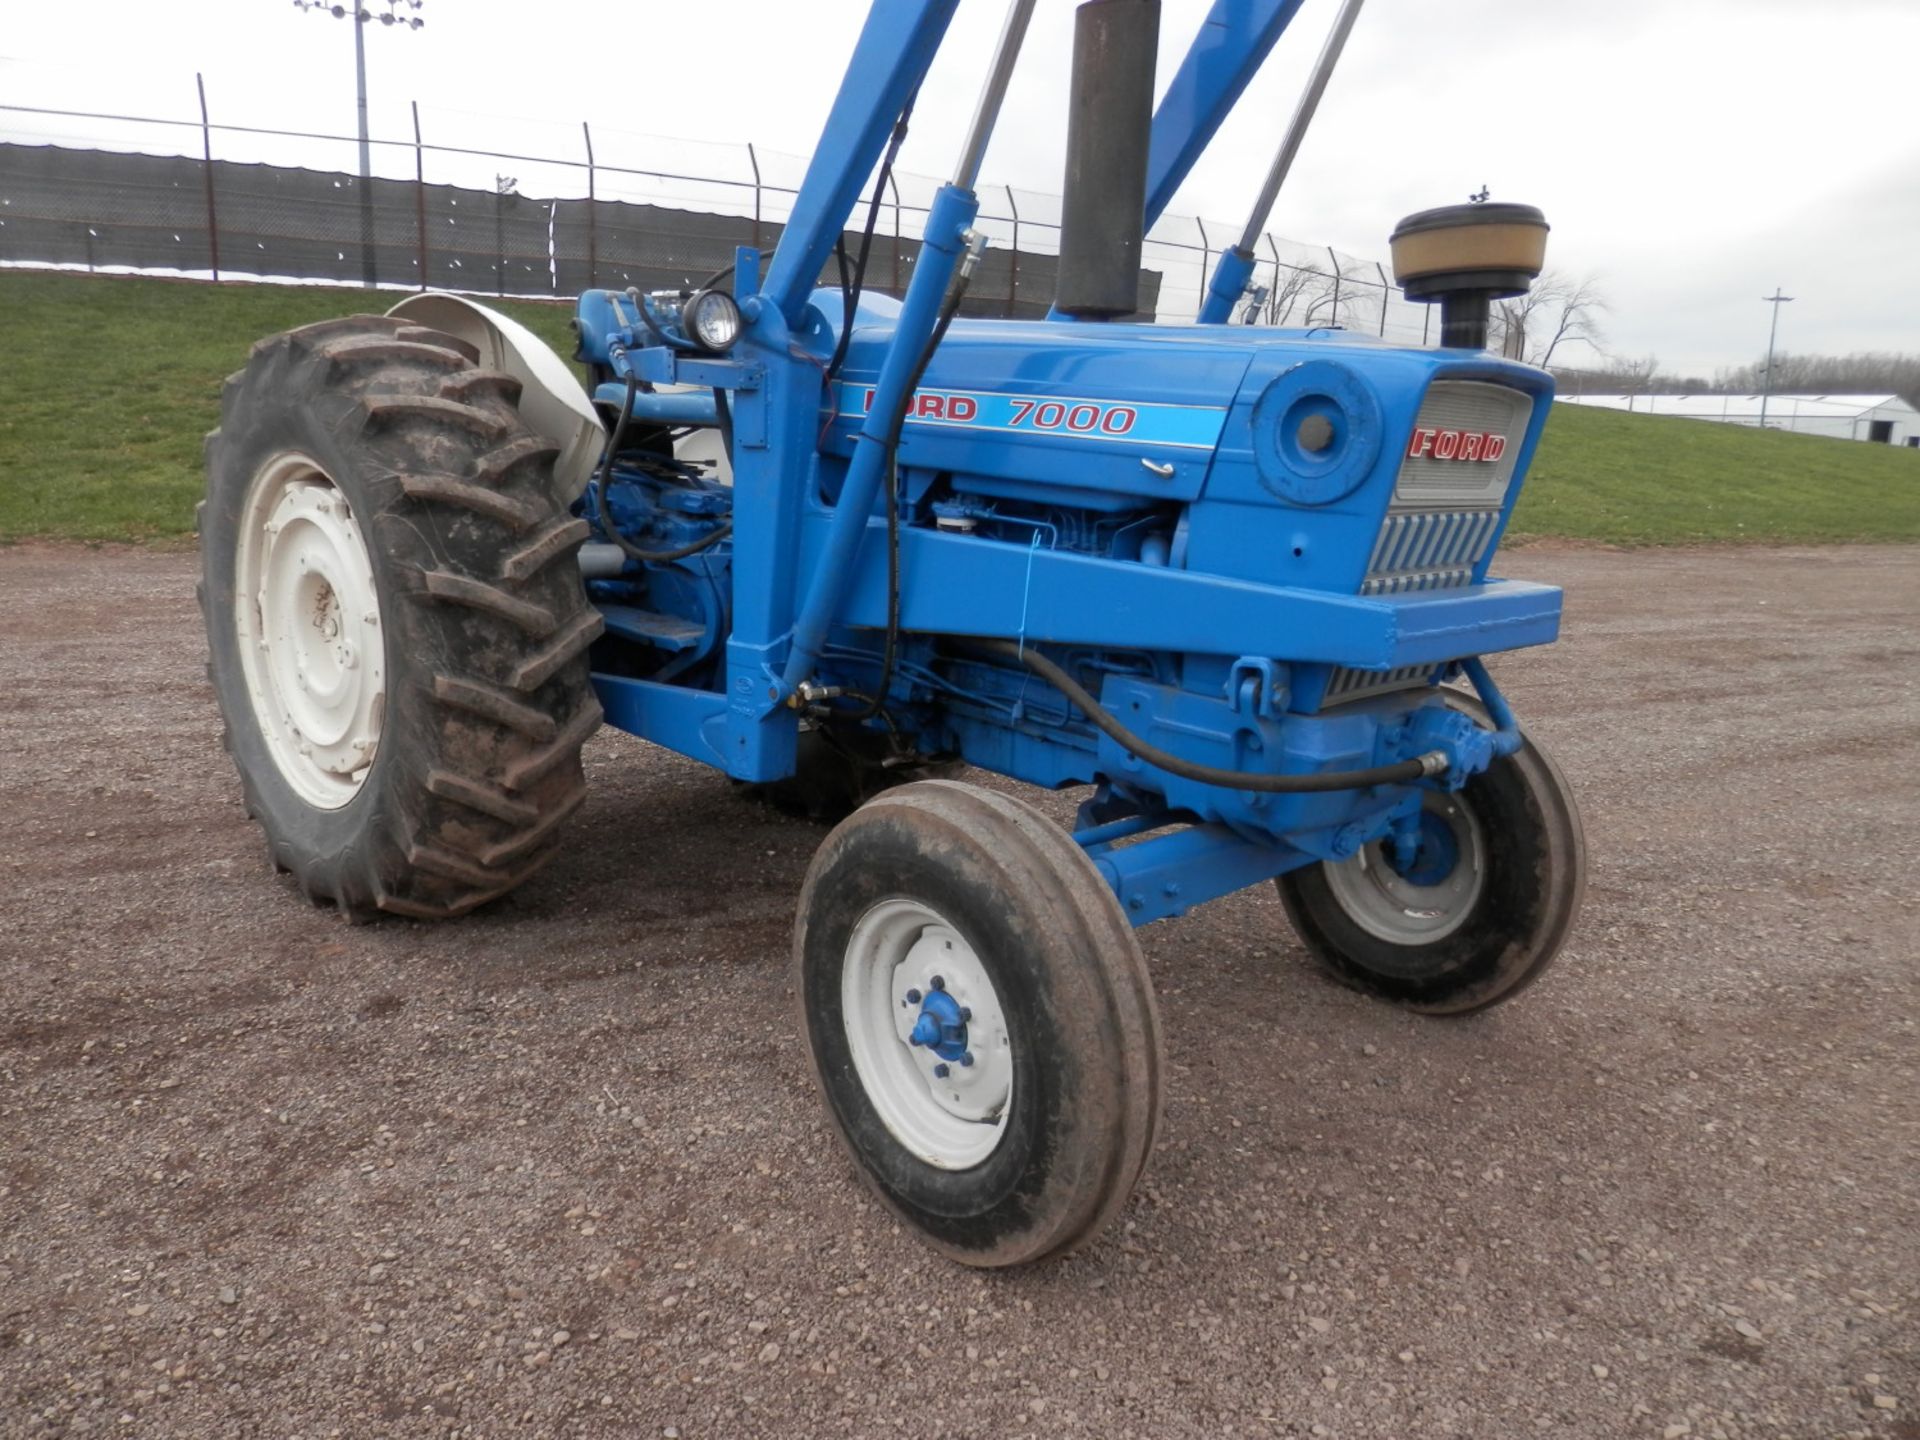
x: 605, y: 511
x: 850, y: 294
x: 1396, y: 774
x: 874, y: 704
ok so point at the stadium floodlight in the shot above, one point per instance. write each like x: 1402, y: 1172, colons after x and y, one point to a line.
x: 394, y: 14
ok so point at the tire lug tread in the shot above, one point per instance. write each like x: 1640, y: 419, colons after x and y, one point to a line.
x: 559, y: 540
x: 445, y: 587
x: 572, y: 642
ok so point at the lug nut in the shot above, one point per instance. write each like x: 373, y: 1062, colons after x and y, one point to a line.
x: 967, y: 1059
x: 966, y: 1014
x: 940, y: 1072
x: 938, y: 982
x: 913, y: 997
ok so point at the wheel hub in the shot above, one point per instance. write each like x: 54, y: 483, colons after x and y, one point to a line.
x: 942, y: 1024
x: 1420, y: 884
x: 937, y: 985
x: 308, y: 617
x: 1432, y: 856
x: 928, y: 1036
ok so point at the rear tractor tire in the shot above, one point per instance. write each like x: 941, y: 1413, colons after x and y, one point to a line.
x: 396, y: 625
x: 980, y: 1021
x: 1480, y: 913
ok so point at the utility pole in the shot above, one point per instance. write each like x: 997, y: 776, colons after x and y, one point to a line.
x: 1777, y: 299
x: 361, y: 17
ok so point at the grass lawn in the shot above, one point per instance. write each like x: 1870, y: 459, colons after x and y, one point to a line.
x: 108, y: 383
x: 1657, y: 480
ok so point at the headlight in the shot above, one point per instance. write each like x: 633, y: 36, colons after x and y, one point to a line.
x: 711, y: 320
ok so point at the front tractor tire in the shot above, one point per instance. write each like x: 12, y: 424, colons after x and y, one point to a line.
x: 1481, y: 911
x: 980, y: 1021
x: 396, y: 626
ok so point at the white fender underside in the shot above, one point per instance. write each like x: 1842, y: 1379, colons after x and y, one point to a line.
x: 552, y: 401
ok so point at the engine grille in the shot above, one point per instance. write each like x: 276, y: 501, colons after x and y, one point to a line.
x: 1441, y: 523
x: 1428, y: 550
x: 1345, y: 684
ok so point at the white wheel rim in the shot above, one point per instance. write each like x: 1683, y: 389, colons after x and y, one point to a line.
x: 1388, y: 906
x: 895, y: 955
x: 307, y: 617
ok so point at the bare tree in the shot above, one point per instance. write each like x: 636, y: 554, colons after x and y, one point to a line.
x: 1863, y: 372
x: 1559, y: 310
x: 1575, y: 313
x: 1638, y: 374
x: 1322, y: 301
x: 1301, y: 295
x: 1291, y: 285
x: 1513, y: 318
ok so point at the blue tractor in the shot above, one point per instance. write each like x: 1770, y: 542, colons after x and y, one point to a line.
x: 1221, y: 578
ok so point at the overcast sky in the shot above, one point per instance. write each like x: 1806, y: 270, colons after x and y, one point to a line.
x: 1693, y: 154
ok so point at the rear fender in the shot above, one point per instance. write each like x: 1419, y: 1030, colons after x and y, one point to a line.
x: 552, y: 402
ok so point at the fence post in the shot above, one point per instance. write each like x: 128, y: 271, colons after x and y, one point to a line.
x: 1206, y: 262
x: 1385, y: 293
x: 1333, y: 319
x: 206, y: 169
x: 893, y: 186
x: 1274, y: 316
x: 420, y: 194
x: 1013, y: 260
x: 499, y: 234
x: 754, y: 160
x: 593, y: 219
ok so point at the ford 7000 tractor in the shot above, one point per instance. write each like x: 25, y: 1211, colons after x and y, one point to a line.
x: 1231, y: 582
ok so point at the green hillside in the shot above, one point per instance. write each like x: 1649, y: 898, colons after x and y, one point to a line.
x: 1655, y: 480
x: 108, y: 383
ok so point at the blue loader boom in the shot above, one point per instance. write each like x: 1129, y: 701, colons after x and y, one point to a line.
x: 1218, y: 578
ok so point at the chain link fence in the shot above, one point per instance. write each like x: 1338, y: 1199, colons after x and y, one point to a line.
x: 185, y: 196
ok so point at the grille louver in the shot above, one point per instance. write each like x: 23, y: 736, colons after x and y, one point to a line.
x: 1428, y: 550
x: 1443, y: 517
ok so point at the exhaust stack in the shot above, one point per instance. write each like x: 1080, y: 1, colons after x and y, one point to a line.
x: 1109, y: 123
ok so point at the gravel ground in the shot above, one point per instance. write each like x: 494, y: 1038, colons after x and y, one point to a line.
x: 558, y: 1169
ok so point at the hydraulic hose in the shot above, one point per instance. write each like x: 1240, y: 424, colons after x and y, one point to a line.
x: 1433, y: 763
x: 850, y: 290
x: 950, y: 307
x: 605, y: 511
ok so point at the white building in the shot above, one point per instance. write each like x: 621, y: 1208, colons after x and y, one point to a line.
x: 1887, y: 419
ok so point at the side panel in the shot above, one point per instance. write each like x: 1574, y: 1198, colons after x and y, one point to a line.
x: 1070, y: 413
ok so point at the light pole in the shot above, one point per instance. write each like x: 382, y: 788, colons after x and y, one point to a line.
x: 1777, y: 299
x: 361, y: 17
